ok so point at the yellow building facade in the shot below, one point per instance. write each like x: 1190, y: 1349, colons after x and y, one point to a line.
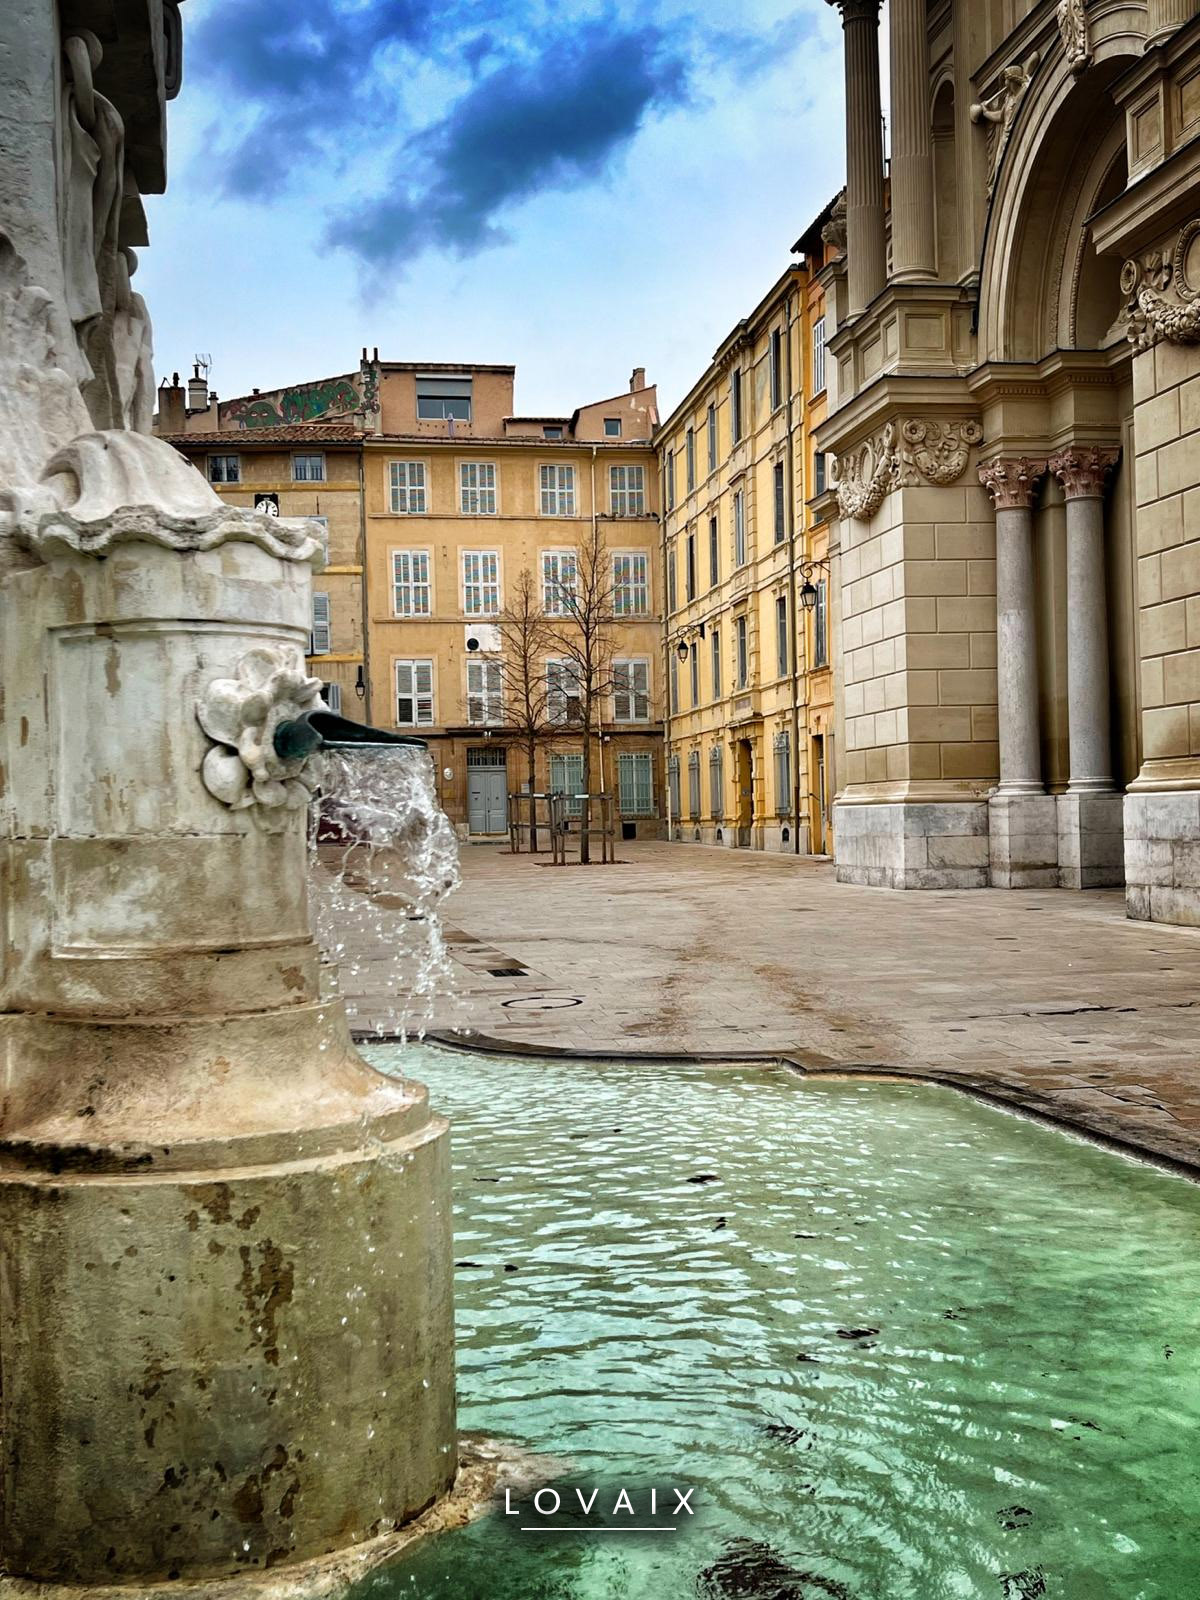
x: 744, y: 552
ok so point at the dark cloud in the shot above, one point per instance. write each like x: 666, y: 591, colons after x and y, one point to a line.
x: 522, y: 128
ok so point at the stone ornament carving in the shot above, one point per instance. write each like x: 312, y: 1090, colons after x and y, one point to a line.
x: 1012, y: 483
x: 834, y: 232
x: 1076, y: 34
x: 1083, y: 471
x: 937, y: 452
x: 867, y: 476
x: 241, y: 714
x: 999, y: 111
x: 1162, y: 296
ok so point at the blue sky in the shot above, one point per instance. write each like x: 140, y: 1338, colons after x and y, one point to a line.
x: 575, y: 188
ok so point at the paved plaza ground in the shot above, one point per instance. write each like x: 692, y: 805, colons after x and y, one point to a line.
x: 1049, y: 1000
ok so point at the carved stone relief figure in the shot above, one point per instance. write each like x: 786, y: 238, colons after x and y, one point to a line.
x: 834, y: 232
x: 867, y: 476
x: 999, y: 111
x: 1152, y: 313
x: 1076, y: 34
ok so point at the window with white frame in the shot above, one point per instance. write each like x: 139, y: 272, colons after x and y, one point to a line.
x: 564, y: 702
x: 440, y: 398
x: 224, y: 469
x: 308, y: 467
x: 631, y: 582
x: 716, y: 782
x: 743, y: 652
x: 694, y: 665
x: 331, y: 693
x: 319, y: 643
x: 612, y: 427
x: 690, y: 459
x: 714, y: 553
x: 631, y: 690
x: 674, y: 682
x: 818, y: 350
x: 739, y: 528
x: 735, y: 403
x: 558, y: 490
x: 414, y: 694
x: 560, y: 580
x: 477, y: 488
x: 485, y: 692
x: 481, y: 583
x: 635, y: 784
x: 783, y: 643
x: 669, y: 479
x: 673, y: 793
x: 627, y: 491
x: 412, y: 591
x: 776, y: 369
x: 716, y: 664
x: 783, y: 774
x: 566, y: 777
x: 780, y: 503
x: 711, y: 426
x: 694, y: 784
x: 821, y: 627
x: 407, y: 481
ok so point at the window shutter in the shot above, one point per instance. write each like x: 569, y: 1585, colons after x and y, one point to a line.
x: 319, y: 644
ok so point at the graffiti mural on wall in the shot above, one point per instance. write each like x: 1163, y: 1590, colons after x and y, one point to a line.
x: 308, y: 402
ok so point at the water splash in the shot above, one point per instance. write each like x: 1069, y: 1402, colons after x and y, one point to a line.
x: 383, y: 857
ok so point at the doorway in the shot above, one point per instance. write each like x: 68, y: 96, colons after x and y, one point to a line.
x: 745, y: 793
x: 817, y: 799
x: 487, y: 790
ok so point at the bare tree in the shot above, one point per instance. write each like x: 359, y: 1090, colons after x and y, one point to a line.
x: 583, y: 638
x: 525, y: 639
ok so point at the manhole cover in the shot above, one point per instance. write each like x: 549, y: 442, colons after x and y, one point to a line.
x: 542, y: 1002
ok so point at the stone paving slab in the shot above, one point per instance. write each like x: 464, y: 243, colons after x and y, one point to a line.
x: 1046, y: 999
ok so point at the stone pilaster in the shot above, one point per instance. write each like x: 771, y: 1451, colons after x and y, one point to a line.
x: 914, y: 247
x: 1022, y: 817
x: 866, y: 249
x: 1091, y: 838
x: 1164, y: 16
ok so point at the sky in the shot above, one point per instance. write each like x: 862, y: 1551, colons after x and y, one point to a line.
x: 577, y: 189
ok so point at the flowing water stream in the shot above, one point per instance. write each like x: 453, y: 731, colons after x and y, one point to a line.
x: 904, y: 1345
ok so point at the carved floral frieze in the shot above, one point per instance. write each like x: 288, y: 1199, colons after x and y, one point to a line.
x: 903, y: 456
x: 937, y: 452
x: 1075, y: 29
x: 1162, y: 297
x: 866, y: 476
x: 240, y: 714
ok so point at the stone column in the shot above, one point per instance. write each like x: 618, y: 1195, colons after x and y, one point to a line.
x: 1022, y: 818
x: 914, y: 247
x: 1091, y: 841
x: 1167, y: 15
x: 866, y: 249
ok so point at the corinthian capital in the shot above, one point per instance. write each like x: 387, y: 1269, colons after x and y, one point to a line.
x: 857, y: 10
x: 1012, y: 482
x: 1083, y: 472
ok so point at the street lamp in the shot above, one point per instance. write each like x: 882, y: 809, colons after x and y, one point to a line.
x: 809, y: 594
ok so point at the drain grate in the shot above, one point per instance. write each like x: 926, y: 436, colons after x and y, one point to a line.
x: 507, y: 972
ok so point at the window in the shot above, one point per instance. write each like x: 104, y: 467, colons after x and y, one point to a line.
x: 739, y: 528
x: 319, y: 642
x: 635, y: 784
x: 631, y: 582
x: 694, y: 785
x: 563, y: 699
x: 674, y: 659
x: 820, y: 628
x: 743, y: 653
x: 783, y: 653
x: 690, y: 459
x: 783, y: 775
x: 716, y: 664
x: 566, y: 777
x: 716, y: 782
x: 735, y: 401
x: 558, y: 491
x: 412, y: 592
x: 414, y: 694
x: 714, y: 553
x: 481, y: 583
x: 331, y: 693
x: 776, y: 369
x: 672, y: 594
x: 485, y: 692
x: 309, y: 468
x: 552, y: 430
x: 780, y: 505
x: 818, y: 348
x: 690, y: 566
x: 631, y: 691
x: 559, y: 577
x: 819, y: 472
x: 627, y: 491
x: 407, y: 480
x: 712, y: 438
x: 669, y: 478
x: 694, y: 663
x: 673, y: 795
x: 224, y: 469
x: 477, y: 488
x: 440, y: 398
x: 612, y: 427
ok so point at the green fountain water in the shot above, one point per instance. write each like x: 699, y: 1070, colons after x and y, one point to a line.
x: 1025, y: 1421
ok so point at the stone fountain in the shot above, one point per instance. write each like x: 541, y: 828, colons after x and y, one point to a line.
x: 226, y: 1337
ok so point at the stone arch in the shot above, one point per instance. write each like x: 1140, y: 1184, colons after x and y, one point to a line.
x: 1063, y: 159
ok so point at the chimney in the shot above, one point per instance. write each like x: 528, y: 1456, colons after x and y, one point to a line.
x: 171, y: 412
x: 197, y: 390
x: 638, y: 380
